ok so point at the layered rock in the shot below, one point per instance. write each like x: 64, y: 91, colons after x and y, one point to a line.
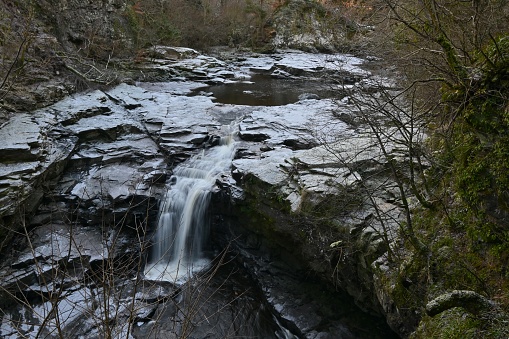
x: 89, y: 169
x: 300, y: 167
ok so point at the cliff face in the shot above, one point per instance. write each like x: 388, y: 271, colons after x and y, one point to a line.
x: 307, y: 25
x: 51, y: 49
x: 99, y: 28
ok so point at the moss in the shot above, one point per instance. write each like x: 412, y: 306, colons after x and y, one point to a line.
x: 265, y: 193
x: 456, y: 323
x: 256, y: 220
x: 478, y: 150
x: 343, y: 202
x: 450, y: 324
x: 452, y: 59
x: 265, y: 211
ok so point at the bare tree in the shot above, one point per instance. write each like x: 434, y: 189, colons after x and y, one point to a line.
x: 92, y: 282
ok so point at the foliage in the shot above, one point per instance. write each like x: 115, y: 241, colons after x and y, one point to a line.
x: 198, y: 24
x: 450, y: 324
x: 454, y: 60
x: 149, y: 26
x: 480, y: 142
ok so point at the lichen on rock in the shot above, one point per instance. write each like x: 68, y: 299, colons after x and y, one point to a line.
x: 306, y: 25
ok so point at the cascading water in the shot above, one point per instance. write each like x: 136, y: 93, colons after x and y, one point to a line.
x: 183, y: 224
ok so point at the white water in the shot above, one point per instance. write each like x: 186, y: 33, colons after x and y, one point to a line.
x: 183, y: 223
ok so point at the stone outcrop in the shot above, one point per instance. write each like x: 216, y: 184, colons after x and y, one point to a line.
x: 108, y: 139
x: 306, y: 25
x: 469, y: 300
x: 89, y: 170
x: 305, y: 169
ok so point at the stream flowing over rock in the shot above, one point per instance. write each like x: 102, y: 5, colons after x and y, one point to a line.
x: 82, y: 181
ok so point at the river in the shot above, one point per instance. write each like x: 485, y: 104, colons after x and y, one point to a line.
x: 125, y: 241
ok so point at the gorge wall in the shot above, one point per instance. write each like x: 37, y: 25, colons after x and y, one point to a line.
x: 102, y: 158
x: 91, y: 169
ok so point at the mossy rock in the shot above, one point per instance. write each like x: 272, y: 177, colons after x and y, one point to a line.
x: 478, y: 150
x: 306, y: 25
x: 454, y: 323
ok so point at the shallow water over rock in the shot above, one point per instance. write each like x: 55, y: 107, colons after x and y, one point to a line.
x: 268, y: 90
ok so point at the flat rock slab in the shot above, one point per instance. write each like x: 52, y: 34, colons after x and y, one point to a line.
x: 20, y: 139
x: 96, y: 157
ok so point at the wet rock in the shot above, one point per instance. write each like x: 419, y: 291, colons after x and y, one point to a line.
x: 305, y: 307
x: 296, y: 165
x: 253, y: 135
x: 317, y: 162
x: 91, y: 167
x: 21, y: 138
x: 266, y: 148
x: 308, y: 96
x: 172, y: 53
x: 267, y: 169
x: 34, y: 157
x: 12, y: 281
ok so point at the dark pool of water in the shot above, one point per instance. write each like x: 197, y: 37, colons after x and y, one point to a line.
x: 264, y: 90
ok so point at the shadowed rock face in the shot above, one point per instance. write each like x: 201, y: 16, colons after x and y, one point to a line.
x: 84, y: 177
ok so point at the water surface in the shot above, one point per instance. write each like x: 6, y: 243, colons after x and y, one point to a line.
x: 265, y: 90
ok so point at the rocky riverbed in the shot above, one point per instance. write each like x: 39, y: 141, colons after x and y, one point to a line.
x: 81, y: 182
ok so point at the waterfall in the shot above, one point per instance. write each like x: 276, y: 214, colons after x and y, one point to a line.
x: 183, y: 223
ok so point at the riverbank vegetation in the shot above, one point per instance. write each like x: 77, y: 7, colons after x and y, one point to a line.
x: 454, y: 60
